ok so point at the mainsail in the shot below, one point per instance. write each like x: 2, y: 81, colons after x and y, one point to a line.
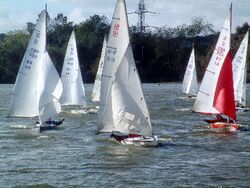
x: 97, y: 83
x: 240, y: 72
x: 73, y: 89
x: 123, y: 107
x: 24, y: 98
x: 216, y: 91
x: 190, y: 85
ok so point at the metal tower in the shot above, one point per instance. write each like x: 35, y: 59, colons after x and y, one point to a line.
x: 141, y: 16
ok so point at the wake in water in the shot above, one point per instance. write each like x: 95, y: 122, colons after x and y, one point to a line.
x: 80, y: 110
x: 84, y: 111
x: 186, y: 98
x: 183, y: 109
x: 21, y: 126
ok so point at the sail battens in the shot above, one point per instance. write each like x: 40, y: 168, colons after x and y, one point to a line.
x: 212, y: 72
x: 23, y: 73
x: 225, y: 28
x: 207, y: 94
x: 114, y: 18
x: 113, y: 48
x: 106, y: 76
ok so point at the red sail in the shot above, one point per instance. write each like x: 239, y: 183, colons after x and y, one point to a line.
x: 224, y: 93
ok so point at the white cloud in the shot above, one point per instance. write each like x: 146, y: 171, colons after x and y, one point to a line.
x: 76, y: 15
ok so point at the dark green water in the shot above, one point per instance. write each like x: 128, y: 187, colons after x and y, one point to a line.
x: 75, y: 156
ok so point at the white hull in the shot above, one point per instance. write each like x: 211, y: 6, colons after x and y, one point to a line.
x: 244, y: 109
x: 146, y: 141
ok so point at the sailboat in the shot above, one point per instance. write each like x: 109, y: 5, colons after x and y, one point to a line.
x: 73, y: 88
x: 216, y: 92
x: 189, y: 85
x: 240, y: 74
x: 34, y: 95
x: 123, y: 110
x: 97, y: 83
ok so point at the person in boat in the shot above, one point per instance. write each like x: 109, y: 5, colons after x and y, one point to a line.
x: 218, y: 118
x: 241, y: 128
x: 119, y: 137
x: 239, y: 105
x: 52, y: 122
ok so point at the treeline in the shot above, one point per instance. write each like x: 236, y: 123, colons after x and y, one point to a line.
x: 161, y: 54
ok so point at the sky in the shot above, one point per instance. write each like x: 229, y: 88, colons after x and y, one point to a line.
x: 14, y: 14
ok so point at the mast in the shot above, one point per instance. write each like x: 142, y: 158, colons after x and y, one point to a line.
x: 46, y: 26
x: 231, y: 16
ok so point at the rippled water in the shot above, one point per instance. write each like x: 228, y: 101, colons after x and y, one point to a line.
x: 75, y: 156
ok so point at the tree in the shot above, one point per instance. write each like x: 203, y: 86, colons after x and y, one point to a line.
x: 89, y: 35
x: 241, y: 30
x: 30, y: 27
x: 12, y: 49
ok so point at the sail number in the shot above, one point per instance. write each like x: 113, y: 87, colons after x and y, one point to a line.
x: 37, y: 36
x: 111, y: 54
x: 220, y: 52
x: 33, y: 54
x: 116, y: 30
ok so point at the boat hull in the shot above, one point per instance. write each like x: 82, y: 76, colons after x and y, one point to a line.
x: 231, y: 127
x: 50, y: 125
x: 242, y: 109
x: 137, y: 140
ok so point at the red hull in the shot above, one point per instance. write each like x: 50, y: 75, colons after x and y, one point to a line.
x: 224, y: 125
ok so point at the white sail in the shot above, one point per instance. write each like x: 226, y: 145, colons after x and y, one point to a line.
x: 97, y: 83
x: 24, y: 101
x: 190, y: 85
x: 205, y: 97
x: 123, y: 107
x: 130, y: 112
x: 240, y: 72
x: 118, y: 38
x: 49, y: 90
x: 73, y: 89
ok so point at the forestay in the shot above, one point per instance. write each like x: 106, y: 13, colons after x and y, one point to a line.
x: 190, y: 85
x: 73, y: 89
x: 240, y: 71
x: 24, y: 98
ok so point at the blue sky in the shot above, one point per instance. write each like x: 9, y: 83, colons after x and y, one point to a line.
x: 14, y: 14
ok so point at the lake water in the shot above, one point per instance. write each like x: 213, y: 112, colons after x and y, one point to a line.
x: 75, y: 156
